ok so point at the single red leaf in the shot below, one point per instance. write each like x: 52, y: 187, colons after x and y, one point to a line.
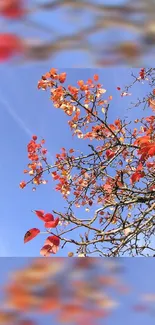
x: 110, y: 154
x: 96, y: 77
x: 30, y: 234
x: 52, y: 224
x: 48, y: 217
x: 10, y: 44
x: 34, y: 137
x: 52, y: 240
x: 51, y: 246
x: 40, y: 214
x: 12, y: 9
x: 45, y: 250
x: 136, y: 177
x: 22, y: 184
x: 151, y: 151
x: 151, y: 103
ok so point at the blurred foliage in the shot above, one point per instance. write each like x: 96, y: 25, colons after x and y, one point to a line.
x: 83, y: 290
x: 112, y: 33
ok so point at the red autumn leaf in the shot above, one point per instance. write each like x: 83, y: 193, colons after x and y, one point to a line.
x: 44, y: 151
x: 151, y: 151
x: 139, y: 167
x: 40, y: 214
x: 52, y: 224
x: 80, y: 83
x: 53, y: 240
x: 62, y: 77
x: 45, y: 250
x: 22, y: 184
x: 51, y: 246
x: 96, y: 77
x: 142, y: 140
x: 10, y: 44
x: 48, y: 217
x: 136, y: 176
x: 150, y: 164
x: 71, y: 150
x: 30, y: 234
x: 12, y: 9
x: 110, y: 154
x: 151, y: 103
x: 34, y: 137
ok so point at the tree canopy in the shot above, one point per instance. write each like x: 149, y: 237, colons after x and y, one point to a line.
x: 113, y: 180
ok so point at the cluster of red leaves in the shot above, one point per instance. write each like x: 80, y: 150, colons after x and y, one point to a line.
x: 68, y: 99
x: 58, y: 94
x: 52, y: 243
x: 43, y: 287
x: 48, y: 219
x: 36, y: 153
x: 142, y: 73
x: 11, y: 44
x: 147, y: 147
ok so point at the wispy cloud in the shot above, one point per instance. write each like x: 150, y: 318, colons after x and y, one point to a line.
x: 18, y: 119
x: 14, y: 115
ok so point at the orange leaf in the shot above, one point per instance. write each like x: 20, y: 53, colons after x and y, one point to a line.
x: 62, y: 77
x: 152, y: 104
x: 30, y: 234
x: 80, y: 83
x: 96, y: 77
x: 49, y: 305
x: 71, y: 150
x: 22, y: 184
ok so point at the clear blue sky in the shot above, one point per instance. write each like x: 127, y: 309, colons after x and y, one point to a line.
x: 134, y: 276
